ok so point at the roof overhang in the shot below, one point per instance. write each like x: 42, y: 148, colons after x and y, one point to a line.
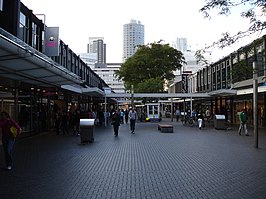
x: 93, y: 91
x: 19, y: 61
x: 261, y: 89
x: 159, y: 95
x: 223, y: 92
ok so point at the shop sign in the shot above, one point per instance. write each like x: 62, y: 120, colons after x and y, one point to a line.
x: 52, y: 41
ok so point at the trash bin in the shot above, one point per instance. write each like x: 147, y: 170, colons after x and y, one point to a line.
x: 86, y: 130
x: 219, y: 122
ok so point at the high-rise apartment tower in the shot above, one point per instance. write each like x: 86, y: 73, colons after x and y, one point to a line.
x: 132, y: 38
x: 181, y: 44
x: 97, y: 45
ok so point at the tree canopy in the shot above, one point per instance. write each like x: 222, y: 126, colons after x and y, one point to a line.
x: 151, y: 67
x: 252, y: 10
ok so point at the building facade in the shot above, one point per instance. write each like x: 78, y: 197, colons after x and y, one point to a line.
x: 33, y: 85
x: 133, y: 36
x: 230, y: 82
x: 185, y: 80
x: 97, y: 45
x: 181, y: 44
x: 89, y: 58
x: 108, y: 75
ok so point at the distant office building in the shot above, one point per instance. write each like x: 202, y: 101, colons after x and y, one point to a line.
x: 192, y: 65
x: 108, y: 75
x: 133, y: 35
x: 97, y: 45
x: 187, y: 71
x: 105, y: 71
x: 181, y: 44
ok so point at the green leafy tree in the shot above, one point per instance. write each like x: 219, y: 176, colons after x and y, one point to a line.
x: 151, y: 67
x: 252, y: 10
x: 152, y: 85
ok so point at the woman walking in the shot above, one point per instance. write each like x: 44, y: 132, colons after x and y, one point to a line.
x: 10, y: 130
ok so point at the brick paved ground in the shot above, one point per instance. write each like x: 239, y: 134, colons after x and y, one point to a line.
x: 188, y: 163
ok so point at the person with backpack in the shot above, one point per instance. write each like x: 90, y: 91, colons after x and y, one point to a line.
x: 10, y: 130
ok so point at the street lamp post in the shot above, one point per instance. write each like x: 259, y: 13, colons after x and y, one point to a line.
x: 255, y: 103
x: 172, y: 110
x: 132, y: 95
x: 107, y: 90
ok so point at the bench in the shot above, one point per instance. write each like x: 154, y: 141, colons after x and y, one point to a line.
x: 166, y: 128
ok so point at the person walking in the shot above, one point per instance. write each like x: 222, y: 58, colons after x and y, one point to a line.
x: 243, y: 122
x: 208, y: 115
x: 57, y: 122
x: 10, y: 130
x: 75, y: 122
x: 200, y: 120
x: 122, y: 116
x: 116, y: 121
x: 64, y: 123
x: 177, y: 113
x: 126, y: 116
x: 132, y: 118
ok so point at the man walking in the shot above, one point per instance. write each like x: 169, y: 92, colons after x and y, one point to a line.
x: 177, y: 113
x: 208, y: 114
x: 132, y: 118
x: 243, y: 122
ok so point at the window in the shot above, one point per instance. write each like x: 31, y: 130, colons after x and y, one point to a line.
x: 23, y: 28
x: 242, y: 56
x: 35, y: 36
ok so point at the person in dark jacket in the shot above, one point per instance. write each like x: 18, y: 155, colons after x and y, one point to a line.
x: 64, y: 123
x: 116, y: 122
x: 57, y: 122
x: 75, y: 122
x: 126, y: 116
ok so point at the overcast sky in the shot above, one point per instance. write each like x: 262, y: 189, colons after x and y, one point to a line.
x: 163, y: 19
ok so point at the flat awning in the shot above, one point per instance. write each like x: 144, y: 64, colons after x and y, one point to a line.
x: 159, y: 95
x: 21, y: 62
x: 261, y: 89
x: 223, y: 92
x: 93, y: 91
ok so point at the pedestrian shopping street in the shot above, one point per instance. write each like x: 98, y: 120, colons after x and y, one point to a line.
x: 189, y: 163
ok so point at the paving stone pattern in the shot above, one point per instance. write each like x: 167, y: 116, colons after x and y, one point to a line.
x: 189, y: 163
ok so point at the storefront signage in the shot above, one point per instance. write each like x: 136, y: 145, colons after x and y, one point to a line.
x: 107, y: 90
x: 52, y: 41
x: 184, y: 83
